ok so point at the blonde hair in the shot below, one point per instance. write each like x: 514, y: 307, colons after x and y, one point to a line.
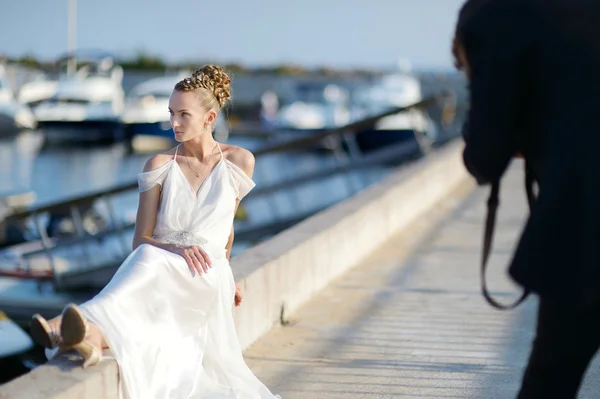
x: 212, y: 85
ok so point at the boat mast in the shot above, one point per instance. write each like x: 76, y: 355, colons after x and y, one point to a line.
x: 72, y: 36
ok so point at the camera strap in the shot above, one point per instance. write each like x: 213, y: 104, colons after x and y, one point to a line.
x: 492, y: 207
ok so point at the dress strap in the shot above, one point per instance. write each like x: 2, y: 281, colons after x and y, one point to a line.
x: 221, y: 152
x: 175, y: 156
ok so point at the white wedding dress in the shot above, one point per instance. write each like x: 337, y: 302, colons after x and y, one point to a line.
x: 172, y: 333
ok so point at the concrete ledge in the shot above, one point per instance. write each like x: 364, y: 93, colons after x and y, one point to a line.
x: 65, y: 379
x: 282, y: 273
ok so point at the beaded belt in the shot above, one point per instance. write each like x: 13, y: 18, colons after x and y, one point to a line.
x: 184, y: 238
x: 188, y: 238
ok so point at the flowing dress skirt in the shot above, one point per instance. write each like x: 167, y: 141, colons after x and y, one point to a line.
x: 172, y: 333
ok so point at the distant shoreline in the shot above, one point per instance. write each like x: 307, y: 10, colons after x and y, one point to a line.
x: 153, y: 64
x: 148, y: 63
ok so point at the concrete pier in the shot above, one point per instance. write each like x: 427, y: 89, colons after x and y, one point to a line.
x: 377, y: 297
x: 410, y: 322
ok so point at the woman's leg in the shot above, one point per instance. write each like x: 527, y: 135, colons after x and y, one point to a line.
x: 46, y: 332
x: 83, y: 336
x: 96, y: 337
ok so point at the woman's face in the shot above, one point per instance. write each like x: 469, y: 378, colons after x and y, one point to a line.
x: 189, y: 119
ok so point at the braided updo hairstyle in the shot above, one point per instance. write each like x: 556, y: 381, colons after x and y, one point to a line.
x: 212, y: 85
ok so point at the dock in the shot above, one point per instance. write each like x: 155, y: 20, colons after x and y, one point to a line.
x: 388, y: 309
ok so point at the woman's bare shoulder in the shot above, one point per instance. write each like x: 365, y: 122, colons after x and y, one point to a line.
x: 240, y: 157
x: 159, y: 160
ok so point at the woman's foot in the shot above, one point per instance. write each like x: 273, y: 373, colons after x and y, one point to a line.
x: 75, y: 333
x: 44, y: 332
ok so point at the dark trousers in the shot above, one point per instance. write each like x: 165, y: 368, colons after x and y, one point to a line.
x: 565, y: 343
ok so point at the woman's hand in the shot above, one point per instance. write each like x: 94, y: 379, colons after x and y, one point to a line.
x: 196, y: 258
x: 237, y: 299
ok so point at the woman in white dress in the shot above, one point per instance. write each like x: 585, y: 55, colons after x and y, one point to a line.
x: 166, y: 315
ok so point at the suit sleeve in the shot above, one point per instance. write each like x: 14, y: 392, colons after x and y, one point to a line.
x: 496, y: 45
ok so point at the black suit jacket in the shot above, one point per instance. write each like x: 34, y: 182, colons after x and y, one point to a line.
x: 535, y: 88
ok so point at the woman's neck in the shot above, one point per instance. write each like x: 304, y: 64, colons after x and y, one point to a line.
x: 200, y: 148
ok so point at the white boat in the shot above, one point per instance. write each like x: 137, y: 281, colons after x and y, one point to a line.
x: 399, y: 88
x: 88, y: 100
x: 314, y: 106
x: 13, y: 115
x: 37, y: 90
x: 146, y: 115
x: 13, y: 340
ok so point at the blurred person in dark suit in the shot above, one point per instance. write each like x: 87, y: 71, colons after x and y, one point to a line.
x: 534, y: 78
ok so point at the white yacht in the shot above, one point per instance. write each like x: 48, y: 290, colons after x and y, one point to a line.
x: 314, y: 106
x: 88, y: 100
x: 37, y: 90
x: 399, y: 88
x: 13, y: 115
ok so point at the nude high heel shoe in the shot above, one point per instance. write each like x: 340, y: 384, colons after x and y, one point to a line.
x: 73, y: 330
x: 43, y: 333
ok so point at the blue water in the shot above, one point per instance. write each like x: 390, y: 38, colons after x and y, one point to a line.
x: 55, y: 173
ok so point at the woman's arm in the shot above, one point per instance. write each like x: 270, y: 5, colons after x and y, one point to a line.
x: 145, y: 220
x: 232, y: 234
x: 195, y: 256
x: 243, y: 159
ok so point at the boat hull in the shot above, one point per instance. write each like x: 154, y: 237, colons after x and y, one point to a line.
x: 372, y: 139
x: 83, y: 131
x: 14, y: 339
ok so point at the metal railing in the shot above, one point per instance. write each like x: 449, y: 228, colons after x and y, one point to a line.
x: 351, y: 158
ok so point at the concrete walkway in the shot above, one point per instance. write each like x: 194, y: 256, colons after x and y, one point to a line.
x: 411, y: 322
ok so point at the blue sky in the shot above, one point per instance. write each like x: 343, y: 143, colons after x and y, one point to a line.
x: 338, y: 33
